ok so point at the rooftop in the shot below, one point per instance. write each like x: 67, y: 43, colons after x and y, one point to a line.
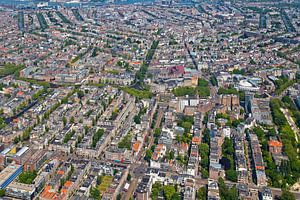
x: 7, y: 172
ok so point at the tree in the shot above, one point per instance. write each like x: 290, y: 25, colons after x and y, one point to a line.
x: 137, y: 119
x: 178, y: 138
x: 232, y: 194
x: 206, y: 136
x: 187, y: 126
x: 287, y: 195
x: 2, y: 193
x: 176, y: 196
x: 204, y: 173
x: 96, y: 137
x: 156, y: 189
x: 213, y: 80
x: 157, y: 132
x: 239, y: 71
x: 27, y: 177
x: 72, y: 120
x: 17, y: 140
x: 148, y: 155
x: 95, y: 193
x: 203, y: 88
x: 180, y: 159
x: 26, y: 134
x: 152, y: 148
x: 119, y: 196
x: 235, y: 123
x: 99, y: 179
x: 169, y: 191
x: 204, y: 162
x: 228, y: 147
x: 229, y: 90
x: 259, y: 132
x: 170, y: 155
x: 201, y: 193
x: 231, y: 175
x: 129, y: 177
x: 80, y: 94
x: 125, y: 142
x: 184, y: 90
x: 225, y: 192
x: 203, y: 149
x: 120, y: 63
x: 64, y: 119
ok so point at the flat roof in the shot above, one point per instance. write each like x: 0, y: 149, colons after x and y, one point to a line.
x: 22, y: 151
x: 5, y: 151
x: 21, y: 186
x: 8, y: 171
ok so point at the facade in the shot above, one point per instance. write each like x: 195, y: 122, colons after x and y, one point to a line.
x: 20, y: 190
x: 36, y: 161
x: 230, y: 101
x: 116, y: 154
x: 143, y: 190
x: 266, y: 194
x: 260, y: 110
x: 213, y: 190
x: 275, y: 146
x: 258, y: 163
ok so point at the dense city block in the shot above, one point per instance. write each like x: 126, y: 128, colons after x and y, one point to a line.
x: 150, y: 99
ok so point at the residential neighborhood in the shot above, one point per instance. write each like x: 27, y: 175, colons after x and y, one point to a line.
x: 138, y: 100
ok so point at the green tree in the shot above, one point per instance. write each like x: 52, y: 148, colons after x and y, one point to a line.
x: 95, y: 193
x: 17, y: 140
x: 203, y: 88
x: 80, y: 94
x: 27, y: 177
x: 99, y: 180
x: 187, y: 126
x: 229, y: 90
x: 176, y: 196
x: 137, y: 119
x: 2, y: 193
x: 148, y: 155
x: 203, y: 149
x: 228, y: 147
x: 204, y: 173
x: 287, y: 195
x: 204, y: 162
x: 156, y: 190
x: 225, y: 192
x: 170, y: 155
x: 201, y: 193
x: 232, y: 193
x: 129, y: 177
x: 169, y: 191
x: 96, y: 137
x: 259, y: 132
x: 125, y: 142
x: 72, y: 120
x: 231, y: 175
x: 119, y: 196
x: 185, y: 90
x: 64, y: 119
x: 157, y: 132
x: 213, y: 80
